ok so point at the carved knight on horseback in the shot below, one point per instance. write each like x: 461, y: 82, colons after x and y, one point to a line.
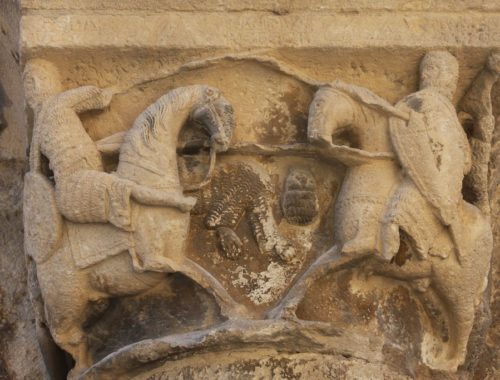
x: 404, y: 184
x: 96, y: 235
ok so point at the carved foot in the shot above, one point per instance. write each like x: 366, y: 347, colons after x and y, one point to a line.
x: 75, y: 373
x: 410, y: 271
x: 230, y: 243
x: 284, y: 250
x: 186, y: 204
x: 156, y: 264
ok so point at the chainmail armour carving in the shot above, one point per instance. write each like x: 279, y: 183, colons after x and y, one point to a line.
x: 84, y: 192
x: 245, y: 190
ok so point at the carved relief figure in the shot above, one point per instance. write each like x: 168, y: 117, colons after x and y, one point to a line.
x: 299, y: 200
x: 450, y: 240
x: 428, y: 205
x: 434, y: 152
x: 400, y: 213
x: 92, y: 233
x: 244, y: 190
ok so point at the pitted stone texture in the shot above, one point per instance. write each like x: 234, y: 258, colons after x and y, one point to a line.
x: 142, y: 48
x: 271, y: 365
x: 254, y: 30
x: 263, y: 5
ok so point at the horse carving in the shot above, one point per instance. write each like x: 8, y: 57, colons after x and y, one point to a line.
x: 403, y: 186
x: 97, y: 235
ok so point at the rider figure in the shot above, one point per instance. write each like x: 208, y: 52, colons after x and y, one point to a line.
x: 84, y: 192
x: 435, y: 155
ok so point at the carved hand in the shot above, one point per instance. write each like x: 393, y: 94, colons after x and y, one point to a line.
x: 230, y: 242
x: 155, y: 197
x: 186, y: 204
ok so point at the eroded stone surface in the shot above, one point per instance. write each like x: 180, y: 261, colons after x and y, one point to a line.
x: 254, y: 190
x: 273, y: 366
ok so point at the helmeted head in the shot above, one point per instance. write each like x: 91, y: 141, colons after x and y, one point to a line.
x: 41, y: 81
x: 439, y: 70
x: 215, y: 114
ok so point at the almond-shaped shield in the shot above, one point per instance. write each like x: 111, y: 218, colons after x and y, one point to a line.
x: 430, y: 147
x: 43, y: 224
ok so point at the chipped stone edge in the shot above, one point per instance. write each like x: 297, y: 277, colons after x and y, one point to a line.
x: 283, y: 336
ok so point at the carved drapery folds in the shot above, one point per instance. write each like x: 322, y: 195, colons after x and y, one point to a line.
x: 187, y: 231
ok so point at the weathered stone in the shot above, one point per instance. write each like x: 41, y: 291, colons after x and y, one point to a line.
x: 249, y: 189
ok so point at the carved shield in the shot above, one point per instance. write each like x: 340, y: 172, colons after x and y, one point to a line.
x: 42, y: 221
x: 430, y: 147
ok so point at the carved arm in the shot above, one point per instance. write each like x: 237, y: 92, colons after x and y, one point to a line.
x: 111, y: 144
x: 85, y: 98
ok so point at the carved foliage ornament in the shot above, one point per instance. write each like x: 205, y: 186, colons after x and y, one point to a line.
x: 266, y: 223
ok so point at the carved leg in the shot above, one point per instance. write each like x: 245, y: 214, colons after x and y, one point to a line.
x: 330, y: 261
x: 68, y: 334
x: 78, y: 348
x: 66, y: 295
x: 477, y: 103
x: 266, y: 232
x: 409, y: 212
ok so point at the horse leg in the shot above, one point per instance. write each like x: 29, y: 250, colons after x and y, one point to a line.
x: 462, y: 285
x: 66, y: 296
x: 365, y: 240
x: 65, y: 317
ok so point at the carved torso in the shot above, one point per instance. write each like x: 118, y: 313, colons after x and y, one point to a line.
x: 63, y: 138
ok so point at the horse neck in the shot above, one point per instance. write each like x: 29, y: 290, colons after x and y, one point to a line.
x: 148, y: 155
x: 372, y: 129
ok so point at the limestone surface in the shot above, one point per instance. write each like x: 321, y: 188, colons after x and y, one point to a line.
x: 249, y: 189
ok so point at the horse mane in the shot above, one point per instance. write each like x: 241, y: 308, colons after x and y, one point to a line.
x: 149, y: 121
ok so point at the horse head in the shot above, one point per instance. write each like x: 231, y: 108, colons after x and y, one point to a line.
x: 342, y: 114
x: 157, y: 129
x: 332, y: 115
x: 216, y: 115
